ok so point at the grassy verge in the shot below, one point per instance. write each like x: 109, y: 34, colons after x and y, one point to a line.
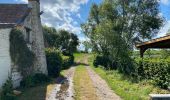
x: 84, y: 89
x: 125, y: 88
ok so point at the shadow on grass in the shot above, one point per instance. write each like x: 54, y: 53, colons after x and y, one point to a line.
x: 79, y: 63
x: 34, y: 93
x: 42, y: 91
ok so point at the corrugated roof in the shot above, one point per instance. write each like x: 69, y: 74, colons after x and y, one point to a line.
x: 12, y: 14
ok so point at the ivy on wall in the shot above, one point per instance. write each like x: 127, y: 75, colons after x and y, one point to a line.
x: 20, y: 54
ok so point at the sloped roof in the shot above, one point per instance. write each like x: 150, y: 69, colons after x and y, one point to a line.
x: 12, y: 14
x: 162, y: 42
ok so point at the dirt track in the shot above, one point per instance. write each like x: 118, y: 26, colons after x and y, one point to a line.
x: 65, y: 89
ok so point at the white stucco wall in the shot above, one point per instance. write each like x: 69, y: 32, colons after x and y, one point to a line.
x: 5, y: 60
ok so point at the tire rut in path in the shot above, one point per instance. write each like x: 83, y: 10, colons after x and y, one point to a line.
x: 64, y: 90
x: 102, y: 89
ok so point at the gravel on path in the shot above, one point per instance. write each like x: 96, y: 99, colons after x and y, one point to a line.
x: 63, y: 90
x: 102, y: 89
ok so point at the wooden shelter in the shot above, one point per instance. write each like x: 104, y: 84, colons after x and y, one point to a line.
x: 158, y: 43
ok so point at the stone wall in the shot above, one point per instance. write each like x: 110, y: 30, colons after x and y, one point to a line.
x: 37, y: 38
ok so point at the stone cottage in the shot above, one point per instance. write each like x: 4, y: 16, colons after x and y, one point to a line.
x: 26, y: 17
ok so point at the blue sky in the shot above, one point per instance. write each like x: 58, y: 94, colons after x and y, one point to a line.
x: 69, y: 14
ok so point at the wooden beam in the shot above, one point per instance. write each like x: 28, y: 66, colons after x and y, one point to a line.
x: 154, y: 41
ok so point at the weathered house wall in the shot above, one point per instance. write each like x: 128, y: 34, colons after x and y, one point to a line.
x: 7, y: 69
x: 5, y: 60
x: 36, y: 44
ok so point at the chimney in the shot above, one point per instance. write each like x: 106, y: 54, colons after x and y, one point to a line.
x: 40, y: 65
x: 35, y: 5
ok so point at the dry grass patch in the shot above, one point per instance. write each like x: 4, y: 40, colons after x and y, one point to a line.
x: 84, y: 89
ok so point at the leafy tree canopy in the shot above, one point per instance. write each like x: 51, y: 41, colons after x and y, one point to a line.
x: 65, y: 41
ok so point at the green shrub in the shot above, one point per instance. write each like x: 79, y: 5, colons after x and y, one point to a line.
x: 54, y: 62
x: 156, y: 70
x: 7, y: 91
x: 41, y: 78
x: 33, y: 80
x: 67, y: 61
x: 103, y: 61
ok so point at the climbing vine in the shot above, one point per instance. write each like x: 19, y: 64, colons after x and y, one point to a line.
x: 21, y: 55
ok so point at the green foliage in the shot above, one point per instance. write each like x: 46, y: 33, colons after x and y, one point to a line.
x: 7, y: 91
x: 68, y: 42
x: 156, y: 70
x: 27, y: 82
x: 165, y: 53
x: 50, y: 36
x: 54, y: 62
x: 21, y: 55
x: 87, y: 46
x: 103, y: 61
x: 34, y: 80
x: 115, y: 26
x: 67, y: 61
x: 65, y: 41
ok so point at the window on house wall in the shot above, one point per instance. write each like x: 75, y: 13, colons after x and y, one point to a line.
x: 28, y: 35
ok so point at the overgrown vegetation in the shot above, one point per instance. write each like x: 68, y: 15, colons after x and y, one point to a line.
x: 20, y: 54
x: 7, y: 91
x: 34, y: 80
x: 114, y: 26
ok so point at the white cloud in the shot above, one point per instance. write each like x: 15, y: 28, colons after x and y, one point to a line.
x: 165, y: 2
x: 164, y: 29
x: 59, y: 13
x: 24, y: 1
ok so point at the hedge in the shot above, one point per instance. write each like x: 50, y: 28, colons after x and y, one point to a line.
x: 156, y: 70
x: 54, y: 62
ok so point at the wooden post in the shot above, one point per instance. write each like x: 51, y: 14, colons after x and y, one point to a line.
x: 142, y: 50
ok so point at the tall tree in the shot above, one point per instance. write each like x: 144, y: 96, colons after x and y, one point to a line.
x: 116, y: 25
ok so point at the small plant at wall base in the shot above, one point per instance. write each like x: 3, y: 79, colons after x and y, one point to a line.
x: 35, y: 80
x: 21, y: 55
x: 7, y: 93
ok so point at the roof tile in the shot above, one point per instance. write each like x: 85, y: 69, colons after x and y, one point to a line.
x: 12, y: 13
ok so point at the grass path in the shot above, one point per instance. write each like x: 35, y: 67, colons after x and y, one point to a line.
x: 84, y: 89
